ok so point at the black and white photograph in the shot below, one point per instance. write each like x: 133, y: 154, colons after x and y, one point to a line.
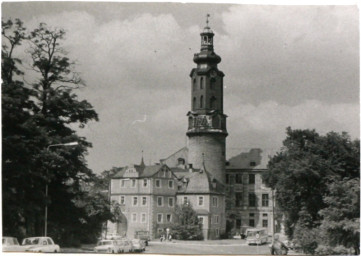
x: 180, y: 128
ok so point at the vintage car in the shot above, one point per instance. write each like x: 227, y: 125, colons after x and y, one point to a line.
x: 256, y: 236
x: 143, y: 235
x: 108, y: 246
x: 40, y: 244
x: 11, y: 244
x: 138, y: 245
x: 125, y: 245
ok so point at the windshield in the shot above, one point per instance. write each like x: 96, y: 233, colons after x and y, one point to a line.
x: 105, y: 243
x: 10, y: 241
x: 29, y: 241
x: 254, y: 233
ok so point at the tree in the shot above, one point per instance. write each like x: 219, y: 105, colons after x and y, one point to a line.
x: 187, y: 225
x: 19, y: 136
x: 302, y: 173
x: 341, y: 217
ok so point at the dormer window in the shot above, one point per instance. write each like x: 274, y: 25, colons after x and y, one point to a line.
x: 252, y: 163
x: 181, y: 161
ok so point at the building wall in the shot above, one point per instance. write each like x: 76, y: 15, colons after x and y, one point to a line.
x: 210, y: 149
x: 240, y: 185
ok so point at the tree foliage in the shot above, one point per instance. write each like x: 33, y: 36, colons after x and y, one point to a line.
x: 38, y: 115
x: 302, y: 174
x: 187, y: 225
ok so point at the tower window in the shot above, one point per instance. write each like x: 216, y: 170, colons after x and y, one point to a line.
x: 201, y: 84
x: 194, y: 84
x: 201, y: 102
x: 194, y: 102
x: 212, y: 85
x: 212, y: 102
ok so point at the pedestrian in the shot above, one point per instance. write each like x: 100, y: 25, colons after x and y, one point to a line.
x: 170, y: 237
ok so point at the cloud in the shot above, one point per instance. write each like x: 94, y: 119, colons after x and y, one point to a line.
x: 285, y: 66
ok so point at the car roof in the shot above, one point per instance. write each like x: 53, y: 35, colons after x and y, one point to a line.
x: 255, y: 229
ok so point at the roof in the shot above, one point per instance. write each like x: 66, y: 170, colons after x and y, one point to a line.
x: 198, y: 181
x: 172, y: 160
x: 143, y: 171
x: 255, y: 158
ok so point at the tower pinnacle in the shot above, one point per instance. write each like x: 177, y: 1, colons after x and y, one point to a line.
x: 207, y: 21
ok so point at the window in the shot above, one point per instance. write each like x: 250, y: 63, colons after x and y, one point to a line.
x: 251, y: 222
x: 265, y: 223
x: 265, y: 200
x: 159, y: 201
x: 157, y: 183
x: 49, y: 241
x: 194, y: 102
x: 159, y: 218
x: 181, y: 161
x: 144, y: 218
x: 217, y: 232
x: 122, y: 200
x: 170, y: 202
x: 144, y: 200
x: 169, y: 217
x: 252, y: 163
x: 170, y: 183
x: 134, y: 217
x: 239, y: 178
x: 251, y: 215
x: 231, y: 179
x: 185, y: 200
x: 201, y: 102
x: 227, y: 178
x: 238, y: 223
x: 135, y: 201
x: 216, y: 219
x: 194, y: 84
x: 265, y: 215
x: 201, y: 83
x: 215, y: 201
x: 200, y: 220
x: 212, y: 84
x: 200, y: 200
x: 145, y: 183
x: 122, y: 184
x: 212, y: 102
x: 252, y: 199
x: 251, y: 178
x: 238, y: 199
x: 133, y: 183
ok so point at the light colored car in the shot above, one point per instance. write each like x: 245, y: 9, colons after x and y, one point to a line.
x: 138, y: 245
x: 108, y: 246
x: 40, y: 244
x: 256, y: 236
x: 11, y: 244
x: 125, y: 245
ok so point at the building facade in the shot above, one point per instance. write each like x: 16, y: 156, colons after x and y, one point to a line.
x: 227, y: 196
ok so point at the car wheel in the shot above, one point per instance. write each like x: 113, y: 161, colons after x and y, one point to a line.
x: 55, y: 251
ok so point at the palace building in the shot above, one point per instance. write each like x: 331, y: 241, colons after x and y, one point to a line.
x: 223, y: 193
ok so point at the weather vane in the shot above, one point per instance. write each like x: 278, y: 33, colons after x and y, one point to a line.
x: 207, y: 21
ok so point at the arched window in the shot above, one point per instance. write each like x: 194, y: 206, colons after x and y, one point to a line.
x: 212, y: 102
x: 201, y: 85
x: 194, y: 102
x: 194, y: 84
x: 213, y: 82
x: 201, y: 102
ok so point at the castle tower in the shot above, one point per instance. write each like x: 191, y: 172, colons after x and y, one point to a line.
x: 206, y: 122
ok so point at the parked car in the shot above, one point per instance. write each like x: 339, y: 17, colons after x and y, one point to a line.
x: 256, y: 236
x: 138, y: 245
x: 11, y: 244
x: 40, y: 244
x: 125, y: 245
x: 143, y: 235
x: 108, y: 246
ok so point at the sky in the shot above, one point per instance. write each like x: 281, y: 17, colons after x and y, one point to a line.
x: 284, y: 66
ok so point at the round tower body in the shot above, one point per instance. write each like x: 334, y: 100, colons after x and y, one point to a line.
x: 209, y: 149
x: 207, y: 129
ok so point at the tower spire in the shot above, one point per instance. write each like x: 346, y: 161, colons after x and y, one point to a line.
x: 207, y: 21
x: 142, y: 161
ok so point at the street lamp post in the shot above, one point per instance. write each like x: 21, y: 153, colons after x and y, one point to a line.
x: 46, y: 185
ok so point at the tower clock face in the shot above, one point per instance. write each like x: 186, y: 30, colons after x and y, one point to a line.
x: 213, y: 73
